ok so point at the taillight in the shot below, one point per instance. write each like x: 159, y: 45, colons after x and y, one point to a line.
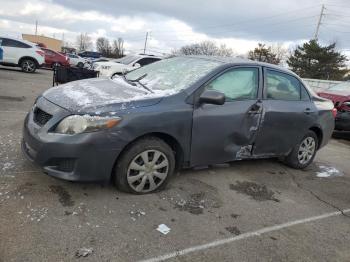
x: 40, y: 53
x: 334, y: 112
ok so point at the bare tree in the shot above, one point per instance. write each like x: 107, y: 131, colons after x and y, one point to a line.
x: 205, y: 48
x: 103, y: 46
x: 83, y: 42
x: 118, y: 48
x: 281, y: 52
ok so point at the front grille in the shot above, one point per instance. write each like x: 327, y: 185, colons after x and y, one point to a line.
x: 41, y: 117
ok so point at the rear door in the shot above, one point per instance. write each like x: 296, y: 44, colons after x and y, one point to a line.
x: 287, y: 114
x: 222, y: 133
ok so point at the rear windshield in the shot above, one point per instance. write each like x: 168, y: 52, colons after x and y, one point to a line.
x: 127, y: 60
x: 174, y: 73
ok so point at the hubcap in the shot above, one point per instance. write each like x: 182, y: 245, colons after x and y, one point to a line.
x: 28, y: 66
x: 147, y: 171
x: 306, y: 150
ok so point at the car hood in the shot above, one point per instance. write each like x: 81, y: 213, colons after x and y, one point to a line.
x: 99, y: 95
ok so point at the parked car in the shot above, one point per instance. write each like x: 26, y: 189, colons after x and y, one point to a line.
x: 53, y: 58
x: 76, y: 60
x: 340, y: 96
x: 179, y: 112
x: 125, y: 64
x: 90, y: 54
x: 21, y: 53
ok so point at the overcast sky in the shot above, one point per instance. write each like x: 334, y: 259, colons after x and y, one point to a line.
x: 240, y: 24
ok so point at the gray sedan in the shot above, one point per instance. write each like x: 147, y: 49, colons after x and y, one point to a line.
x: 137, y: 129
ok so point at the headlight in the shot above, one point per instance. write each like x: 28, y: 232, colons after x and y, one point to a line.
x: 106, y: 67
x: 76, y: 124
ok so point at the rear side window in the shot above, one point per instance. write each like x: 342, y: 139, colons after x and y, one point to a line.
x: 237, y: 84
x: 14, y: 43
x: 281, y: 86
x: 146, y: 61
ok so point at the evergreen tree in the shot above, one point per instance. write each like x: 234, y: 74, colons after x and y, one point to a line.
x: 311, y: 60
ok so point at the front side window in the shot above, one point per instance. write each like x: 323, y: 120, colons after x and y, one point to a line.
x: 237, y: 84
x: 281, y: 86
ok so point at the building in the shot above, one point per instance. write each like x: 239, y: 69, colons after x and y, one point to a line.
x: 49, y: 42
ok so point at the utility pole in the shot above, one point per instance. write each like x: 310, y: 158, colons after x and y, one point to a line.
x: 319, y: 23
x: 36, y: 27
x: 144, y: 49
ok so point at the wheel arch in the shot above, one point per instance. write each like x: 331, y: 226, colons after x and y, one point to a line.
x: 318, y: 131
x: 167, y: 138
x: 30, y: 58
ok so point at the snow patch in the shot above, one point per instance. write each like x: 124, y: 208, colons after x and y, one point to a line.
x: 328, y: 171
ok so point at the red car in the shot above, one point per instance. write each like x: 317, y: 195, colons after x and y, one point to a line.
x: 53, y: 58
x: 340, y: 95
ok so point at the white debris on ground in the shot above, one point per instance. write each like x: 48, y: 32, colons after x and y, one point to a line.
x: 9, y: 145
x: 84, y: 252
x: 35, y: 214
x: 164, y: 229
x: 328, y: 171
x: 136, y: 214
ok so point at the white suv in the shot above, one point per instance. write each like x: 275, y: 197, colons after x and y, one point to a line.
x: 21, y: 53
x: 125, y: 64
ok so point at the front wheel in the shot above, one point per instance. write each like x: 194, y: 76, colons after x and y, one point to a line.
x: 145, y: 167
x: 28, y: 66
x: 304, y: 152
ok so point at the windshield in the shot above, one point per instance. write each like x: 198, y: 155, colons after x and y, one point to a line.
x: 340, y: 87
x: 174, y: 73
x: 127, y: 59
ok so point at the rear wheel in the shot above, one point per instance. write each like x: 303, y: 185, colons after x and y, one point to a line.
x: 304, y: 152
x: 28, y: 65
x: 145, y: 167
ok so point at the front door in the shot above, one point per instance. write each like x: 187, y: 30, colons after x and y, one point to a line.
x: 222, y: 133
x: 288, y: 113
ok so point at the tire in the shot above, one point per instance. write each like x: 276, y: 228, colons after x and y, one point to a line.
x: 133, y: 175
x: 308, y: 147
x: 56, y: 64
x: 80, y: 65
x: 28, y: 65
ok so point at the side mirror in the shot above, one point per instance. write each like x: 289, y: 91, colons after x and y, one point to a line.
x: 137, y: 65
x: 212, y: 97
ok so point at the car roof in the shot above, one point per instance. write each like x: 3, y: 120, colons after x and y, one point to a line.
x: 241, y: 61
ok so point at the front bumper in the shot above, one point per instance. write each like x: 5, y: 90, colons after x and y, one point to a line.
x: 80, y: 157
x: 342, y: 121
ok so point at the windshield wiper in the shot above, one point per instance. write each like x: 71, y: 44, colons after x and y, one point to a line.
x: 127, y: 80
x: 137, y: 80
